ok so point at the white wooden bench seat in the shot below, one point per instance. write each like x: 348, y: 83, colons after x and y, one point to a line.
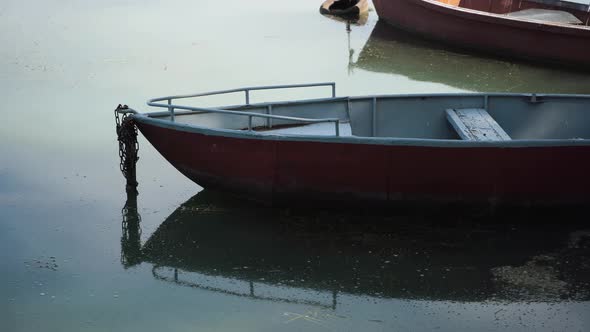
x: 546, y: 15
x: 476, y: 124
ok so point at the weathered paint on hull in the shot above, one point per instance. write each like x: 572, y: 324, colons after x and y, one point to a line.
x: 491, y: 33
x: 305, y: 171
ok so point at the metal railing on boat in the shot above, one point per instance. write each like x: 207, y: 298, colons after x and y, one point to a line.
x: 172, y: 107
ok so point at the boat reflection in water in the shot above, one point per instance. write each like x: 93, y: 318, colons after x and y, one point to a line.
x: 393, y: 51
x: 313, y: 257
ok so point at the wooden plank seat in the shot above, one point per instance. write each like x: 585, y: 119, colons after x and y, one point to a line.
x: 455, y: 3
x: 546, y: 15
x: 476, y: 124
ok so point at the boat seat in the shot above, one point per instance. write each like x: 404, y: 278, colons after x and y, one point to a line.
x: 455, y: 3
x: 476, y: 124
x: 546, y: 15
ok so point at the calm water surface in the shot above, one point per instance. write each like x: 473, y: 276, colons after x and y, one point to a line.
x: 78, y: 255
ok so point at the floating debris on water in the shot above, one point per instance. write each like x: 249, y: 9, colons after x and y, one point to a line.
x: 43, y: 263
x: 537, y: 276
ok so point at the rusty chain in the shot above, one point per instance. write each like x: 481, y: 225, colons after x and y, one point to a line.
x: 128, y: 146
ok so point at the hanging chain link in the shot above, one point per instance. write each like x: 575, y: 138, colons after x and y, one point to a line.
x: 128, y: 146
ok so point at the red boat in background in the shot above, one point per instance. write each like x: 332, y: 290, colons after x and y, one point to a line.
x: 545, y: 30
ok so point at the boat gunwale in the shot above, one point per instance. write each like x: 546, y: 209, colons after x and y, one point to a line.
x: 521, y: 23
x: 151, y: 118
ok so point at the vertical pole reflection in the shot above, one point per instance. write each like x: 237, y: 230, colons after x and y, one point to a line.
x: 350, y: 50
x: 131, y: 232
x: 334, y: 299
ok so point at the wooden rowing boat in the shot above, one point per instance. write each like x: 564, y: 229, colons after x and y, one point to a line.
x: 514, y: 148
x: 546, y: 30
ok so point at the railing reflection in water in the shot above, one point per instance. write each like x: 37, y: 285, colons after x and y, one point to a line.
x: 256, y: 290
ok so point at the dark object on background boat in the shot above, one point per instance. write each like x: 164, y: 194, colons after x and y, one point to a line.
x: 381, y: 149
x: 345, y: 8
x: 544, y: 30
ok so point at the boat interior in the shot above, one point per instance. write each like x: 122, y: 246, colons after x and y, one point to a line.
x: 551, y: 11
x: 471, y: 117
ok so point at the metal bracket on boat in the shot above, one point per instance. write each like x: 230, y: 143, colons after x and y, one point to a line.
x: 124, y: 109
x: 536, y: 99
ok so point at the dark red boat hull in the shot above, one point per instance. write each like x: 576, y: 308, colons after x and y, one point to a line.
x: 277, y: 170
x: 478, y: 30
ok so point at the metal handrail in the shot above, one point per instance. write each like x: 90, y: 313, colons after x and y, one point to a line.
x: 172, y: 107
x: 247, y: 91
x: 251, y: 115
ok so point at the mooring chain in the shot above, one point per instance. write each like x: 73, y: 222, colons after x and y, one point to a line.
x: 128, y: 145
